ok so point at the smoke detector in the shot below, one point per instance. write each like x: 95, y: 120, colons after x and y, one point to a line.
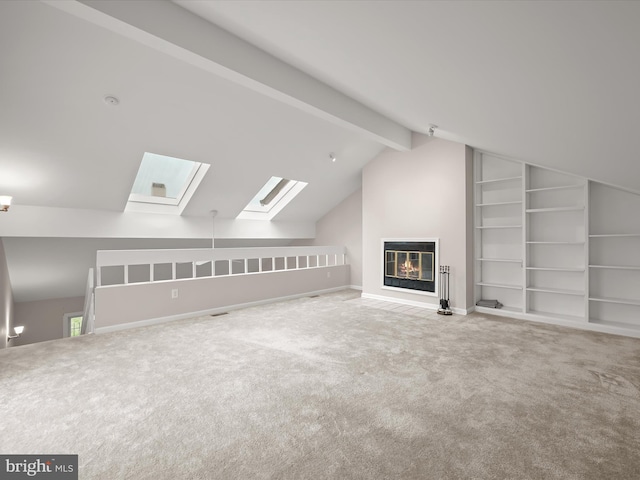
x: 111, y: 100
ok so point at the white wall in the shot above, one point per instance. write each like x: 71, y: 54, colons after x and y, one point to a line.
x: 423, y: 193
x: 31, y: 221
x: 42, y: 319
x: 6, y: 300
x: 343, y: 226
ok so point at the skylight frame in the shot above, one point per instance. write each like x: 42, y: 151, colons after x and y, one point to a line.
x: 252, y: 207
x: 141, y: 203
x: 281, y: 200
x: 141, y: 198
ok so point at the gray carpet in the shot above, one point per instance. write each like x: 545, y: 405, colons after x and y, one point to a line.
x: 328, y: 387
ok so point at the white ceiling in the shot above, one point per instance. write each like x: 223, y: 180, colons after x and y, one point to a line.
x: 62, y: 146
x: 551, y: 83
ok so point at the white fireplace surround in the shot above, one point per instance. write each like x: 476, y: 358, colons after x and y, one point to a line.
x: 436, y: 268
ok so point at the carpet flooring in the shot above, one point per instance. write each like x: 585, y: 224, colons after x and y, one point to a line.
x: 329, y: 388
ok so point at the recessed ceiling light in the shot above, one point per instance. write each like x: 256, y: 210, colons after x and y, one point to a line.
x: 111, y: 100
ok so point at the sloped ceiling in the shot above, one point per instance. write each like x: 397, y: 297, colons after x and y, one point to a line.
x: 62, y: 146
x: 551, y: 83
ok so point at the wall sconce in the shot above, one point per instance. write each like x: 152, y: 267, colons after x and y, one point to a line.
x: 18, y: 331
x: 5, y: 202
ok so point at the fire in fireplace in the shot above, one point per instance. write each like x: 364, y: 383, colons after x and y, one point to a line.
x: 410, y: 265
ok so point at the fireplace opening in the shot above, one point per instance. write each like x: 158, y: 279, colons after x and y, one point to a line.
x: 410, y: 265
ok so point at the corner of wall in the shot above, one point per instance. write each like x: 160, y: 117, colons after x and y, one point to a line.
x: 470, y: 235
x: 6, y: 299
x: 343, y: 226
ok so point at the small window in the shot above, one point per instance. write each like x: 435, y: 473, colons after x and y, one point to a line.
x: 76, y: 326
x: 72, y: 324
x: 272, y: 198
x: 164, y: 184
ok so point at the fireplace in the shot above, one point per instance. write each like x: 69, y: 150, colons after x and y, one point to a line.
x: 411, y: 265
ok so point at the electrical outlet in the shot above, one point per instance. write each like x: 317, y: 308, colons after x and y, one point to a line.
x: 174, y: 293
x: 328, y: 274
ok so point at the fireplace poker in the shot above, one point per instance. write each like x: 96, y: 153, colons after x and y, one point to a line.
x: 445, y: 306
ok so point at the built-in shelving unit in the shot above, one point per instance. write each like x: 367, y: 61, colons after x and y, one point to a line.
x: 555, y: 247
x: 555, y: 210
x: 499, y: 203
x: 614, y: 257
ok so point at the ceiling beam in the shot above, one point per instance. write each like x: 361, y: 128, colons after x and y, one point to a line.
x: 175, y: 31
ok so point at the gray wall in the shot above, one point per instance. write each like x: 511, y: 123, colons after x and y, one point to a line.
x: 6, y: 300
x: 122, y: 304
x: 343, y: 226
x: 423, y: 193
x: 43, y: 268
x: 42, y: 319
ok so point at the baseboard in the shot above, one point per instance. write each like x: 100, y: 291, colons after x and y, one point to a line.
x: 227, y: 308
x: 427, y: 306
x: 585, y: 325
x: 355, y: 287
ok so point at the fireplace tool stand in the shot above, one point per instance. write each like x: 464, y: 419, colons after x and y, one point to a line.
x: 445, y: 306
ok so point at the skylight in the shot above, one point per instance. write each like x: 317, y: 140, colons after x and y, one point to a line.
x: 271, y: 198
x: 164, y: 184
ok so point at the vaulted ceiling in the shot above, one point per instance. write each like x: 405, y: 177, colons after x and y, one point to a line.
x: 551, y: 83
x: 262, y: 88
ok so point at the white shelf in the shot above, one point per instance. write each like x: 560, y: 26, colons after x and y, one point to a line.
x: 498, y: 311
x: 554, y: 209
x: 555, y: 243
x: 613, y: 235
x: 621, y: 325
x: 616, y: 267
x: 500, y: 285
x: 495, y: 204
x: 570, y: 318
x: 499, y: 226
x: 555, y: 290
x: 498, y: 180
x: 620, y: 301
x: 558, y: 269
x: 546, y: 189
x: 505, y: 260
